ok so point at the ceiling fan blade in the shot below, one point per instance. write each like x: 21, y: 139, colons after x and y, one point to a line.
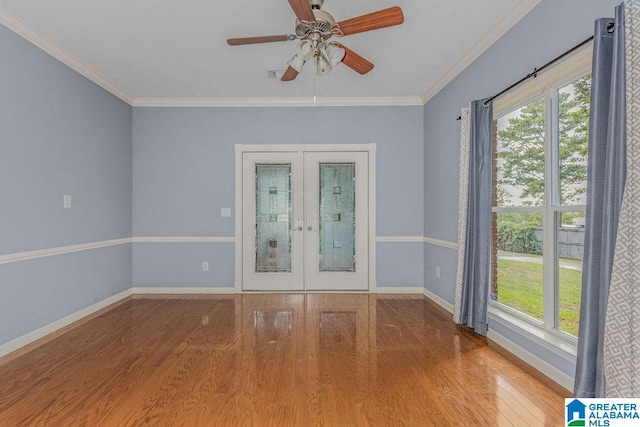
x: 356, y: 62
x: 372, y: 21
x: 289, y: 75
x: 302, y: 9
x: 253, y: 40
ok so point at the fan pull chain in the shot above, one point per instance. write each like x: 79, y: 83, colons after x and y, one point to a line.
x: 315, y: 78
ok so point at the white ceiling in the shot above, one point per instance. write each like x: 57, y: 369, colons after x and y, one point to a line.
x: 159, y: 51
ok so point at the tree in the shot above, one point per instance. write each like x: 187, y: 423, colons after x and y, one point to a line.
x: 521, y: 155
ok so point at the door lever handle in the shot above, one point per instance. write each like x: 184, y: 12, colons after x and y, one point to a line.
x: 299, y: 228
x: 310, y: 228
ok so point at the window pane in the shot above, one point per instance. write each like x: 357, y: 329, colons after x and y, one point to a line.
x: 573, y: 126
x: 570, y: 250
x: 520, y: 156
x: 519, y: 274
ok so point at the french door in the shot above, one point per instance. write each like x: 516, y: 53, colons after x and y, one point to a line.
x: 305, y: 221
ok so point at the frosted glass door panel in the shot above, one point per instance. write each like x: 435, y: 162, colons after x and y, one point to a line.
x: 337, y: 219
x: 305, y: 221
x: 273, y: 218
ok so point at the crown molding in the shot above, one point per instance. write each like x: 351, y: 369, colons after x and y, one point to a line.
x: 512, y: 18
x: 48, y: 46
x: 34, y: 37
x: 17, y: 26
x: 278, y: 102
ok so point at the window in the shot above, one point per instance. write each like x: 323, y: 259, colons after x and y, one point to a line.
x: 539, y: 178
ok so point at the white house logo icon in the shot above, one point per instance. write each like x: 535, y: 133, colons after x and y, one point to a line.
x: 576, y: 413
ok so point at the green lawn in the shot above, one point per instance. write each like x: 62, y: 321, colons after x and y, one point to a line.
x: 520, y: 287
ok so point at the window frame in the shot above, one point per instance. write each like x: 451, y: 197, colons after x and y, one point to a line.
x: 546, y: 85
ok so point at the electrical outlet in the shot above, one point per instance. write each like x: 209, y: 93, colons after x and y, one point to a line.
x: 67, y: 201
x: 437, y: 272
x: 275, y: 74
x: 205, y: 266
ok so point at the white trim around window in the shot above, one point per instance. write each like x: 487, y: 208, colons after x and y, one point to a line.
x: 546, y: 333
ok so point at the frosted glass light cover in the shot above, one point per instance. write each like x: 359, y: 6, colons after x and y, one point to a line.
x: 337, y: 228
x: 273, y: 218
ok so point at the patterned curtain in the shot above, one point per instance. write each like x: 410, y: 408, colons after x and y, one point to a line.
x: 622, y: 326
x: 463, y: 194
x: 606, y: 175
x: 474, y: 222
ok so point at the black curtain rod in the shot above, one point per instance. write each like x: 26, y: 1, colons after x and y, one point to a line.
x: 535, y: 71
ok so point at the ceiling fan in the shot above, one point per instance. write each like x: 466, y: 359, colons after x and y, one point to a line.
x: 314, y: 27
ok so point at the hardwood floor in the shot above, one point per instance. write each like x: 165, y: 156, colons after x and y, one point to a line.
x: 272, y: 359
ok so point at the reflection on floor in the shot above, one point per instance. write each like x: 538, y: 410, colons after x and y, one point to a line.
x: 272, y: 359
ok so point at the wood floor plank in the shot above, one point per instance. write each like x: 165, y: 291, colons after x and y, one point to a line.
x: 272, y: 359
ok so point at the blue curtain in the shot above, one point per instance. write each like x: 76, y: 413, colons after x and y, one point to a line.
x: 476, y: 277
x: 605, y: 186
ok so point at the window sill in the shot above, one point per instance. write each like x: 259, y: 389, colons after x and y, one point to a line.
x: 563, y: 347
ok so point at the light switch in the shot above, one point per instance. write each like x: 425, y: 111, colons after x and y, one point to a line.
x: 67, y: 201
x: 225, y: 212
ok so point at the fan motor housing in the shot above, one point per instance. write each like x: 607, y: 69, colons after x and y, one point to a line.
x: 323, y: 24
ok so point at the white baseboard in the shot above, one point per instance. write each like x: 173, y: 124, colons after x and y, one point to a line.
x: 141, y: 290
x: 440, y: 301
x: 398, y: 290
x: 545, y: 368
x: 19, y: 342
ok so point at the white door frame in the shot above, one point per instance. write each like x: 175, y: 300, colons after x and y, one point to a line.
x: 240, y: 149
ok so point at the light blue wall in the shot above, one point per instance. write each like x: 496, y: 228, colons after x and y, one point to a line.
x: 59, y: 134
x: 180, y: 264
x: 547, y: 31
x: 399, y: 264
x: 38, y: 292
x: 444, y: 258
x: 183, y: 162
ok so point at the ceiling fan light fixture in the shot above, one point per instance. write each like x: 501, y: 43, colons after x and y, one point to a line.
x: 305, y: 50
x: 322, y: 65
x: 296, y: 63
x: 334, y: 54
x: 314, y: 27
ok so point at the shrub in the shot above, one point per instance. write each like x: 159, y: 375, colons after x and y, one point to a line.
x: 518, y: 237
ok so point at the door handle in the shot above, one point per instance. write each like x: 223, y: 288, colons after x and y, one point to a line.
x: 310, y: 228
x: 299, y: 228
